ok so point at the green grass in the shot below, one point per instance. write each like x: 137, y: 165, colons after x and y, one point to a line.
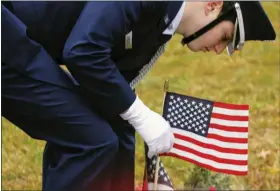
x: 250, y: 77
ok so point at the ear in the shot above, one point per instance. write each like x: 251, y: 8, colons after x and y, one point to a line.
x: 213, y: 6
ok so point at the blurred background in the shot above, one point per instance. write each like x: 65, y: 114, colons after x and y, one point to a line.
x: 249, y: 77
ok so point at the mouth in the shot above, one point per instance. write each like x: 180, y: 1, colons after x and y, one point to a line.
x: 206, y: 49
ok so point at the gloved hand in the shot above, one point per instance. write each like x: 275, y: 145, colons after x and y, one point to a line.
x: 152, y: 127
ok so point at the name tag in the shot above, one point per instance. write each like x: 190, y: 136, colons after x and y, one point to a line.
x: 128, y: 40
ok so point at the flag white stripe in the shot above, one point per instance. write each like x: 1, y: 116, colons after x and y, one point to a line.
x: 241, y: 168
x: 210, y: 140
x: 229, y: 122
x: 211, y: 151
x: 230, y: 111
x: 228, y: 133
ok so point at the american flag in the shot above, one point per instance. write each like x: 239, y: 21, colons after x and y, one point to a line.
x: 213, y: 135
x: 163, y: 182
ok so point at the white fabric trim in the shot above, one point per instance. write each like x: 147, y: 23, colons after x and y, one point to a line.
x: 176, y: 21
x: 239, y: 25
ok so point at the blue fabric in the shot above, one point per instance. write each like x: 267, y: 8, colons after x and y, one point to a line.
x: 27, y: 56
x: 87, y: 52
x: 88, y: 145
x: 84, y: 150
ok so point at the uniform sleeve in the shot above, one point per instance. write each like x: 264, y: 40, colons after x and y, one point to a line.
x: 25, y: 55
x: 87, y: 53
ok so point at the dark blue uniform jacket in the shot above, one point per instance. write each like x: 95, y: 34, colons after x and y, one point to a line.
x: 90, y: 39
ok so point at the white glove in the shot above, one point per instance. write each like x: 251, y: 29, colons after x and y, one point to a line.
x: 152, y: 127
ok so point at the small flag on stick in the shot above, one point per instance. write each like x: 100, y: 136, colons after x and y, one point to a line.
x: 213, y: 135
x: 163, y: 180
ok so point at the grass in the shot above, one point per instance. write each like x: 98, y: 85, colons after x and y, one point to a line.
x: 249, y: 77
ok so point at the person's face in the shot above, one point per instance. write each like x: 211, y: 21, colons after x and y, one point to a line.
x: 215, y: 39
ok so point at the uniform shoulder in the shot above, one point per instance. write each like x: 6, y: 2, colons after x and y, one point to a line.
x: 154, y: 5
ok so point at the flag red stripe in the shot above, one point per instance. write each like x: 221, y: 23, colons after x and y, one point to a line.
x: 230, y: 117
x: 227, y: 139
x: 239, y: 173
x: 228, y: 128
x: 231, y: 106
x: 211, y: 157
x: 211, y: 146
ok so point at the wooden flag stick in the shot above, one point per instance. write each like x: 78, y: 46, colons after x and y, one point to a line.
x: 156, y: 174
x: 165, y: 89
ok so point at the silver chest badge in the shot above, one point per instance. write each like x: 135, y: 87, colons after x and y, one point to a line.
x: 128, y: 40
x: 166, y: 19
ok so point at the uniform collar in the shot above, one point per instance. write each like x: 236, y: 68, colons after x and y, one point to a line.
x: 170, y: 30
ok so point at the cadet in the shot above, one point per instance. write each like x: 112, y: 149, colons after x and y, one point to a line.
x: 89, y: 118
